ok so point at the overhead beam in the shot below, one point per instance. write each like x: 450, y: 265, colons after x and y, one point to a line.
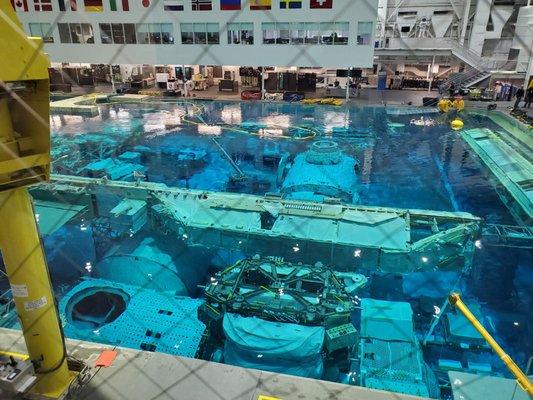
x: 455, y: 10
x: 393, y: 14
x: 466, y: 19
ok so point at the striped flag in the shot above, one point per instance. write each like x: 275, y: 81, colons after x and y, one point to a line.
x: 284, y: 4
x: 42, y: 5
x: 230, y: 4
x: 321, y: 3
x: 124, y: 3
x: 260, y: 4
x: 202, y: 5
x: 173, y: 5
x: 20, y: 5
x: 93, y: 5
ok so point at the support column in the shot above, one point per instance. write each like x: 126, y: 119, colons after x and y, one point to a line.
x: 382, y: 15
x: 263, y: 89
x: 112, y: 78
x: 431, y: 74
x: 529, y: 71
x: 32, y: 292
x: 466, y: 16
x: 348, y: 84
x: 479, y: 26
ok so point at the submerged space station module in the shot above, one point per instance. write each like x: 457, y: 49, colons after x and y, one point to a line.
x: 322, y: 172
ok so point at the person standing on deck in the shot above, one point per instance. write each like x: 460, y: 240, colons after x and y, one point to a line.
x: 497, y: 91
x: 529, y: 98
x: 519, y: 94
x: 452, y: 90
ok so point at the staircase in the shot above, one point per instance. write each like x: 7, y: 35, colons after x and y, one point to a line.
x: 477, y: 71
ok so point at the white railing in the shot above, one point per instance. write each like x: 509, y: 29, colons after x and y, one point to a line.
x: 476, y: 64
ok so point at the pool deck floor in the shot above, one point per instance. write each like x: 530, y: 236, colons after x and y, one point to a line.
x: 140, y: 375
x: 368, y: 96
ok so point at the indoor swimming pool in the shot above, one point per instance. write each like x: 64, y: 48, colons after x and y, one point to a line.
x: 187, y: 145
x: 313, y: 240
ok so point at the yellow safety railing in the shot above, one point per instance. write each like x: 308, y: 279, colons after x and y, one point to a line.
x: 521, y: 378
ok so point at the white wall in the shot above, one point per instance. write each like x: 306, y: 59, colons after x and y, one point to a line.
x: 524, y: 39
x: 258, y: 54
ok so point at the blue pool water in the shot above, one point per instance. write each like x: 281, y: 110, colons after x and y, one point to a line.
x: 395, y: 163
x: 237, y: 147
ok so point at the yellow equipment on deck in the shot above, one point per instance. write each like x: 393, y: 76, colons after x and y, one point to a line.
x: 25, y: 159
x: 445, y: 105
x: 521, y: 378
x: 328, y: 101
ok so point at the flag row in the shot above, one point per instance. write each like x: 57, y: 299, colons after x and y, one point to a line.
x: 168, y: 5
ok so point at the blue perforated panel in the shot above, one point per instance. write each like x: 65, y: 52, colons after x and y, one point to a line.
x: 152, y: 320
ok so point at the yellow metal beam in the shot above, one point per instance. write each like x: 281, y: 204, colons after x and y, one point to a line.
x: 521, y: 378
x: 20, y: 356
x: 24, y: 159
x: 32, y: 292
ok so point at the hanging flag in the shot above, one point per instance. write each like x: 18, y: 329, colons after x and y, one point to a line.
x: 321, y: 3
x: 93, y: 5
x: 20, y: 5
x: 260, y: 4
x: 202, y: 5
x: 42, y: 5
x: 284, y: 4
x: 173, y: 5
x: 113, y: 5
x: 73, y: 5
x: 230, y: 4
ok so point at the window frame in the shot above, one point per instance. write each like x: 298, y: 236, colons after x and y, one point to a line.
x: 364, y: 38
x: 142, y: 31
x: 64, y: 31
x: 167, y: 33
x: 114, y: 31
x: 106, y: 35
x: 202, y: 33
x: 240, y: 33
x: 127, y: 35
x: 269, y: 27
x: 44, y: 30
x: 213, y: 32
x: 190, y: 33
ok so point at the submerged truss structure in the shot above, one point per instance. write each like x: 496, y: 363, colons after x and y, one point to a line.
x: 347, y: 237
x: 278, y: 291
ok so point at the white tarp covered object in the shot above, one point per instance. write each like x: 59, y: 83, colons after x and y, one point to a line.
x: 292, y: 349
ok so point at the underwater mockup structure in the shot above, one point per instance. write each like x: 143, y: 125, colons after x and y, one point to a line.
x: 346, y: 236
x: 272, y: 315
x: 322, y: 172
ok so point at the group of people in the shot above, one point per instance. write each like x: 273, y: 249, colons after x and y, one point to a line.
x: 526, y: 94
